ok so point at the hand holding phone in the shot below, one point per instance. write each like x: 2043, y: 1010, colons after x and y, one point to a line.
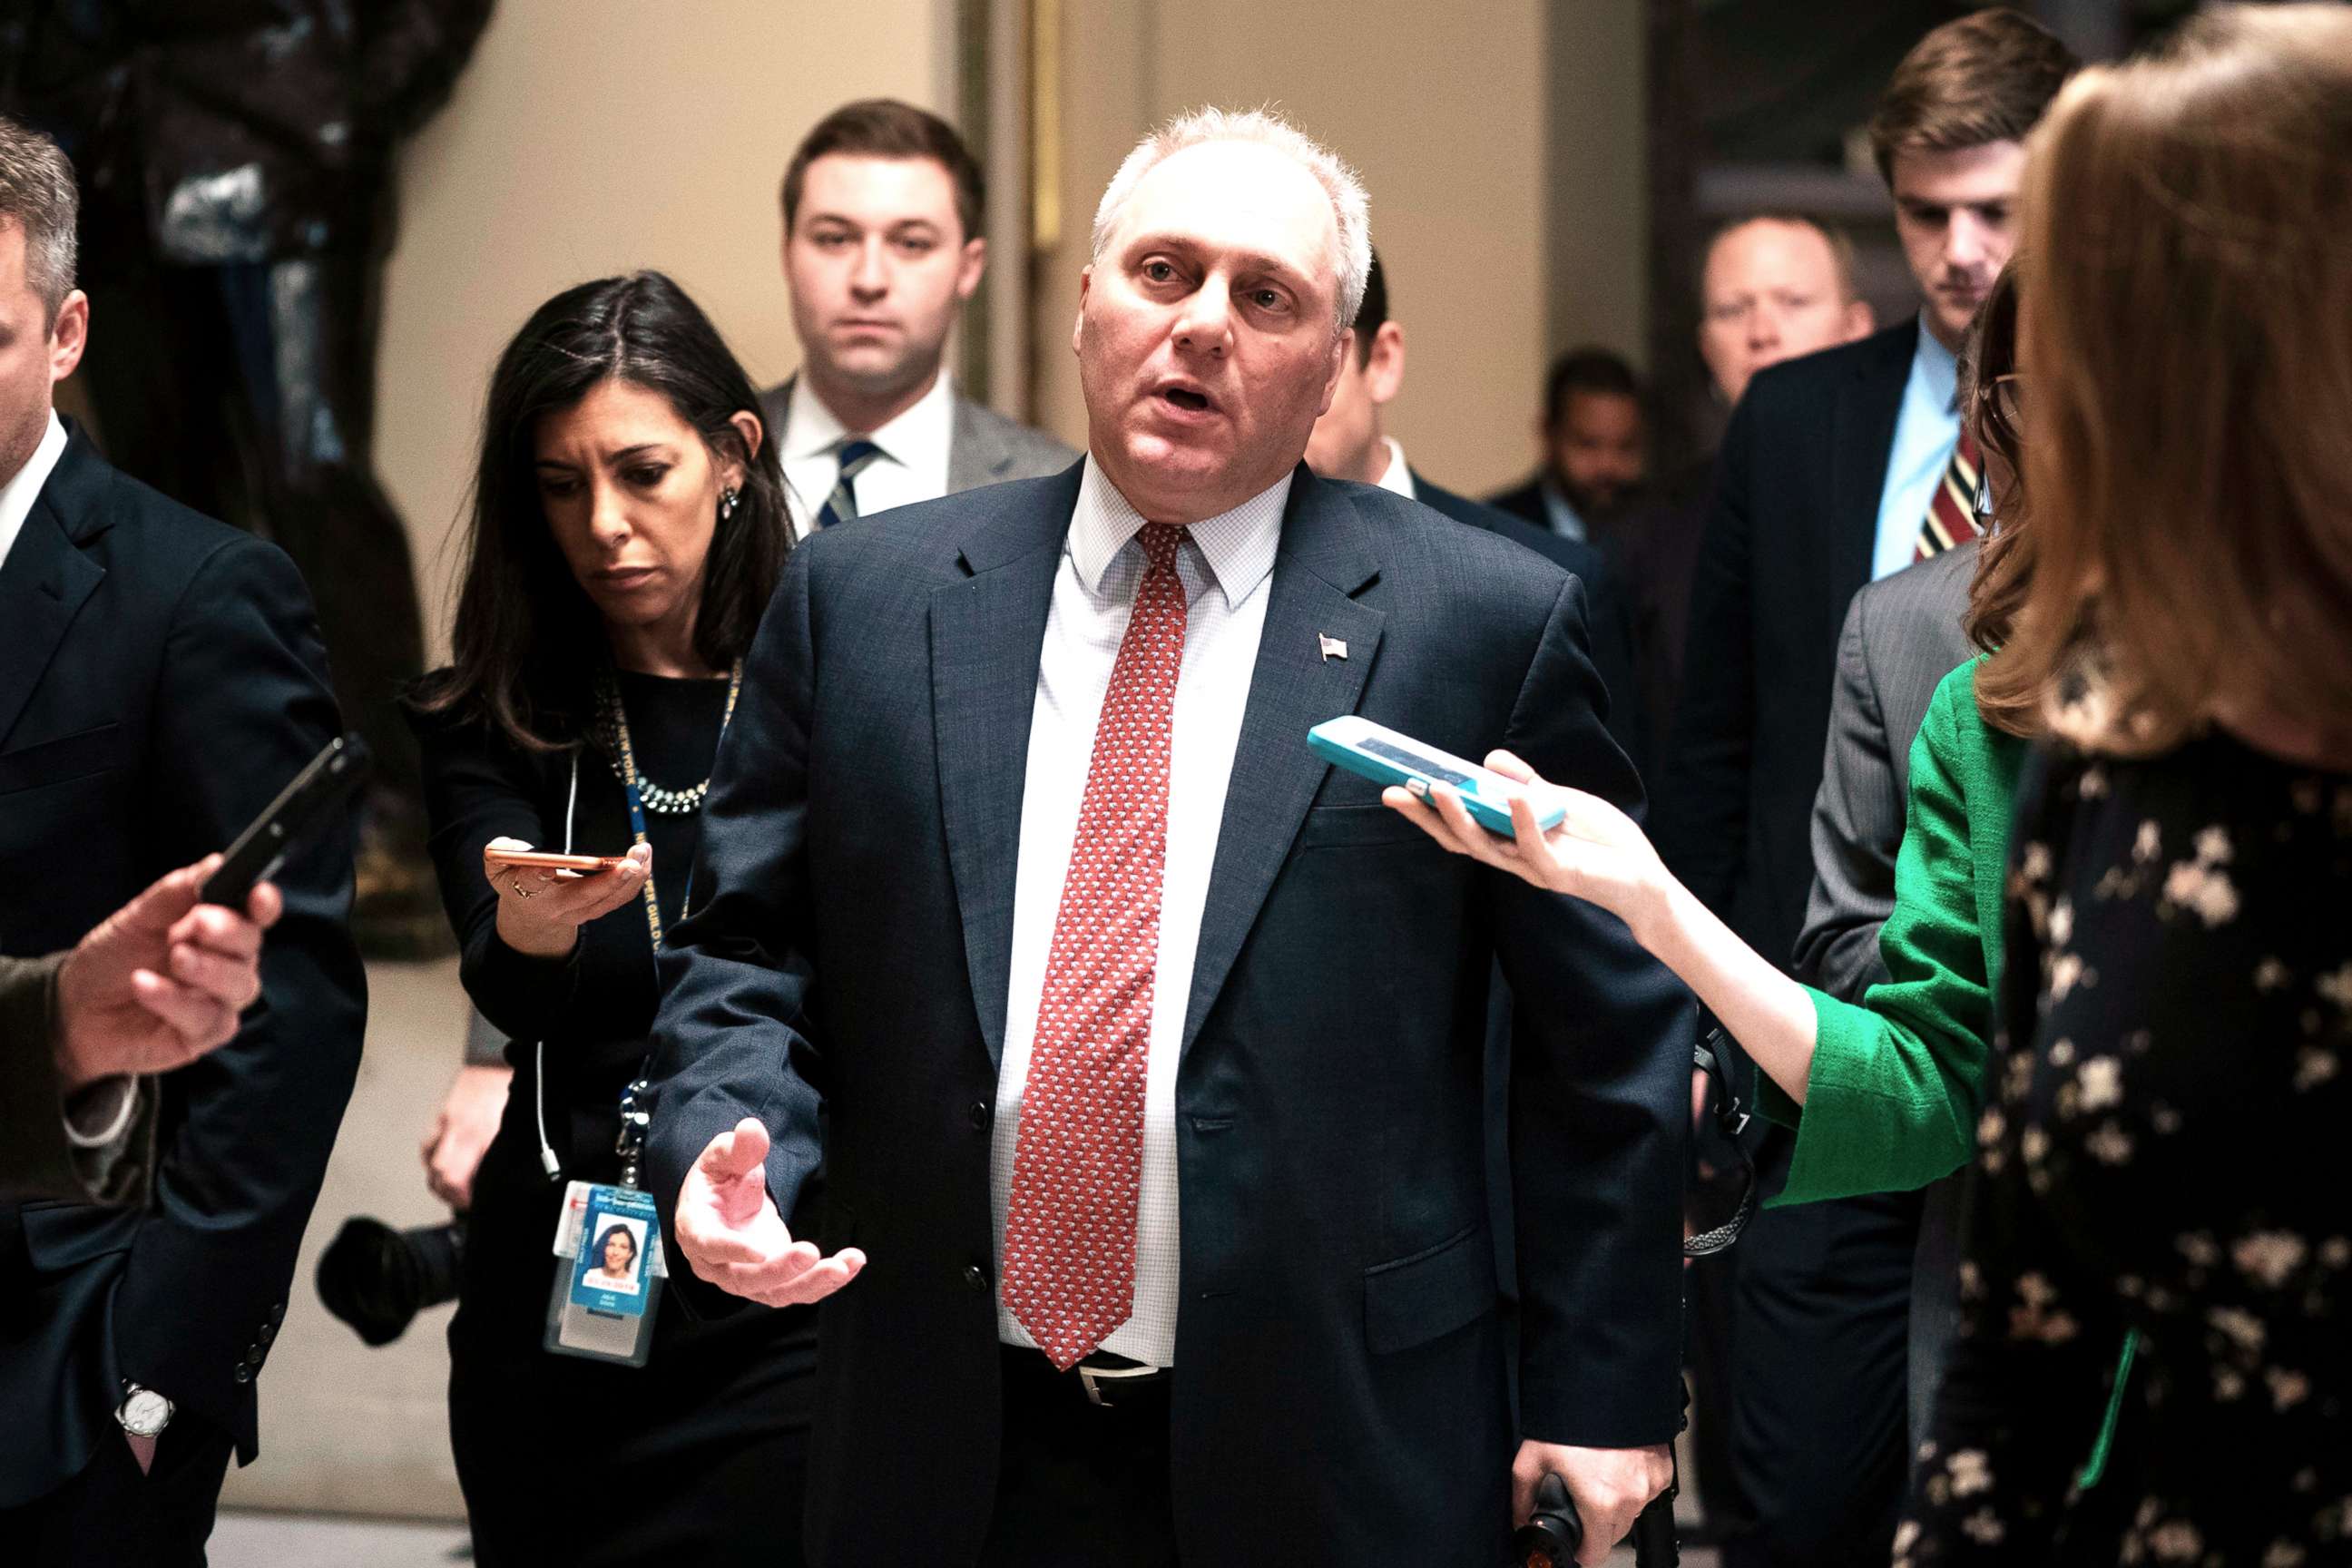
x: 545, y: 898
x: 1387, y: 757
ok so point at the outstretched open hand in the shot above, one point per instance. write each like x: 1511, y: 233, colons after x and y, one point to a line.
x: 730, y: 1233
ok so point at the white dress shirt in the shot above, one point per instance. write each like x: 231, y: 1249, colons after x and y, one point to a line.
x: 1925, y: 431
x: 1224, y: 564
x: 1398, y: 476
x: 913, y: 465
x: 17, y: 496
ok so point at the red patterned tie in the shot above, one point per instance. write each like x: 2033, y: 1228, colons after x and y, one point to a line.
x: 1951, y: 516
x: 1069, y: 1231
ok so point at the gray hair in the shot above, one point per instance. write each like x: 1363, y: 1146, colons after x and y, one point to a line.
x: 1351, y: 207
x: 37, y: 194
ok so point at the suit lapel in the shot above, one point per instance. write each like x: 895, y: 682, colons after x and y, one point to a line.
x: 988, y: 632
x: 1869, y: 405
x: 1325, y: 560
x: 43, y: 585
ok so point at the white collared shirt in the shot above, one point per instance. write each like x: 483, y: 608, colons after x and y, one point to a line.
x: 1224, y: 564
x: 17, y: 496
x: 1398, y: 476
x: 913, y: 465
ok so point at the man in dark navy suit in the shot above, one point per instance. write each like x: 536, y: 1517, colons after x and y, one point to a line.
x: 1837, y: 469
x: 161, y: 680
x: 1149, y: 1048
x: 1351, y: 442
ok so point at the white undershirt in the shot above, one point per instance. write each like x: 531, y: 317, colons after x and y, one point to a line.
x: 24, y: 487
x: 1224, y: 564
x: 913, y: 465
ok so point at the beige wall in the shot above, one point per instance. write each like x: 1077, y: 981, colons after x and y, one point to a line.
x: 590, y: 137
x: 1445, y: 108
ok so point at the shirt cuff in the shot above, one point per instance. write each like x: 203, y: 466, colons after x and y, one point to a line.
x: 100, y: 1114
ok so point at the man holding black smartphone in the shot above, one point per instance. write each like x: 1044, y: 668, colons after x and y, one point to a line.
x: 161, y: 680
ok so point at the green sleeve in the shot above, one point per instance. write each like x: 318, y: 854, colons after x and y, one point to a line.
x: 1891, y: 1100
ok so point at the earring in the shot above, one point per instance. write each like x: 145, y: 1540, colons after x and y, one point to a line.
x: 726, y: 503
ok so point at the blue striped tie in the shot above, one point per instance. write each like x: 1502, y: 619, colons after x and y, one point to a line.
x: 857, y: 455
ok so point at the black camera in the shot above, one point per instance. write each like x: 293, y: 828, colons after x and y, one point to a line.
x: 377, y: 1278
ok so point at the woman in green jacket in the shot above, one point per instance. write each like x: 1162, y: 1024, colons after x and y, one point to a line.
x: 1883, y: 1095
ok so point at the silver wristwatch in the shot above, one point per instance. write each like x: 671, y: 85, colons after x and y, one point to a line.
x: 143, y: 1412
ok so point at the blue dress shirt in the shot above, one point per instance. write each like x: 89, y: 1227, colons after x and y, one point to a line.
x: 1925, y: 434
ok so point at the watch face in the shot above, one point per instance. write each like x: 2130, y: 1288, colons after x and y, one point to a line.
x: 144, y: 1413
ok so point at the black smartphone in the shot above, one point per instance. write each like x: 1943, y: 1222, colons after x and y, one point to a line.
x: 328, y: 781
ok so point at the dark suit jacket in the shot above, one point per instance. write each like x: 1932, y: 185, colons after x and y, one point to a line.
x: 1612, y: 627
x: 1789, y: 545
x: 161, y: 679
x: 1339, y: 1387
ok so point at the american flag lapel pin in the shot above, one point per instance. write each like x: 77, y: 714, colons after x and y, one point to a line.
x: 1332, y: 647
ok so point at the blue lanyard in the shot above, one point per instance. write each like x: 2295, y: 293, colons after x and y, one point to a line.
x: 631, y: 1143
x: 636, y: 795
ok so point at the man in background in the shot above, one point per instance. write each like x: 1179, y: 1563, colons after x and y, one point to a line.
x: 883, y: 209
x: 1773, y: 287
x: 1351, y: 442
x: 1837, y: 469
x: 1596, y: 445
x: 161, y: 680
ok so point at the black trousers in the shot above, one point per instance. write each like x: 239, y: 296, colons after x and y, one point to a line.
x: 247, y: 391
x: 1079, y: 1485
x: 1820, y: 1380
x: 112, y: 1515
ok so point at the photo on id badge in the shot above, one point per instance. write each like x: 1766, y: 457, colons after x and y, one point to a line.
x: 609, y: 1274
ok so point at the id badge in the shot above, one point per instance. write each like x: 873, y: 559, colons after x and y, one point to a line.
x: 608, y: 1275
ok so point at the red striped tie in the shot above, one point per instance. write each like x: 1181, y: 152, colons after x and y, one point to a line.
x: 1951, y: 516
x: 1078, y: 1164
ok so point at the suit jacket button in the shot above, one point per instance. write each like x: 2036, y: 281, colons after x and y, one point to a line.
x: 268, y: 1333
x: 243, y: 1374
x: 975, y: 1279
x: 980, y: 1115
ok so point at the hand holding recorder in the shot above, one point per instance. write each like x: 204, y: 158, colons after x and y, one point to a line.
x: 544, y: 899
x: 728, y: 1228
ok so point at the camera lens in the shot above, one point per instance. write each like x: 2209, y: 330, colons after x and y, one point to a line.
x: 377, y: 1278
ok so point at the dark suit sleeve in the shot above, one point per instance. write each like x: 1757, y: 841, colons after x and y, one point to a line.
x: 242, y: 704
x: 411, y: 53
x: 731, y: 1040
x: 1599, y: 1107
x: 1702, y: 816
x: 1857, y: 829
x: 36, y: 1161
x: 1613, y: 659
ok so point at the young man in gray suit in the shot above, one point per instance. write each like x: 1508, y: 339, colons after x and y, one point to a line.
x: 882, y: 208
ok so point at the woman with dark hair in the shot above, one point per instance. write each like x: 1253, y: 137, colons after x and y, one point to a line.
x: 629, y: 527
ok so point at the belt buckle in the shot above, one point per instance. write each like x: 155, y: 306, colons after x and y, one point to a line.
x: 1093, y: 1378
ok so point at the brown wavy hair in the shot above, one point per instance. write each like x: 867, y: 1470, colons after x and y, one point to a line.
x: 2191, y: 345
x: 2005, y: 560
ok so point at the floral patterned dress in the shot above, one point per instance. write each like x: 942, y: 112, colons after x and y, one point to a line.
x: 2166, y: 1155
